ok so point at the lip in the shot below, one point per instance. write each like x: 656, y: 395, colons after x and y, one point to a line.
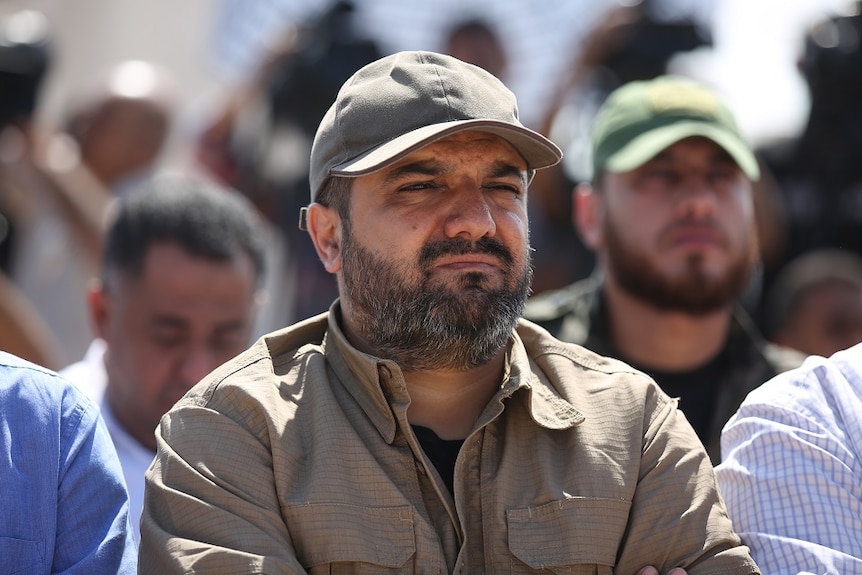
x: 468, y: 262
x: 698, y: 236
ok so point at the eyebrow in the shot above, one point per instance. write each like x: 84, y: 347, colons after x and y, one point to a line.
x: 167, y: 321
x: 500, y: 169
x: 422, y: 168
x: 505, y: 170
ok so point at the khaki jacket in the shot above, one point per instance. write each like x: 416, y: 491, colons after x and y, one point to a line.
x: 297, y: 457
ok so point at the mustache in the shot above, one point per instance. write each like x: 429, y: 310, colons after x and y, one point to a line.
x: 460, y: 246
x: 689, y: 224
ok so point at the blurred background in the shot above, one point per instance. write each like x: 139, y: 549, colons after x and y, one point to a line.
x: 102, y: 92
x: 211, y: 45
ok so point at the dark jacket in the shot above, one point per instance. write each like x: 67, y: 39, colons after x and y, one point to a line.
x: 577, y: 314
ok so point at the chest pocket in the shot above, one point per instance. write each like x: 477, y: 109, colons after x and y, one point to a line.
x: 579, y: 535
x: 21, y: 557
x: 339, y: 538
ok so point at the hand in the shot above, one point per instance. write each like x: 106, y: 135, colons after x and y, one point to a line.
x: 650, y: 570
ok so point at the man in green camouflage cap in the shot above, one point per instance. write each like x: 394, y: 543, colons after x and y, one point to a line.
x: 670, y: 216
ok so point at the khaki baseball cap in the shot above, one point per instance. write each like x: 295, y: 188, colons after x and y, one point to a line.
x: 403, y: 102
x: 642, y: 118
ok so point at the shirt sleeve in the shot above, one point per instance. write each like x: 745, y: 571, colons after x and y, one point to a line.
x: 93, y: 530
x: 210, y: 503
x: 791, y: 473
x: 676, y: 499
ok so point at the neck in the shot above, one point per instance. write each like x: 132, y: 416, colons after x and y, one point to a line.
x: 662, y: 339
x: 142, y: 435
x: 450, y: 402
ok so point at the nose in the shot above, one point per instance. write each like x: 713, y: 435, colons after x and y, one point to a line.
x: 195, y: 363
x: 697, y: 198
x: 470, y: 215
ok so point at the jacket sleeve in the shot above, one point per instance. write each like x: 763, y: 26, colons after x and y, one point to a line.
x: 93, y: 530
x: 677, y: 500
x: 210, y: 504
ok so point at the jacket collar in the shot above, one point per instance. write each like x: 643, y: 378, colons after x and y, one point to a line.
x: 378, y: 385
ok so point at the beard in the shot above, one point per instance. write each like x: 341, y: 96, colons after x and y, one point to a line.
x: 694, y: 293
x: 429, y: 324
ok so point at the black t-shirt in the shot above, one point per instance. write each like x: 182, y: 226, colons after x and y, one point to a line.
x: 441, y: 452
x: 697, y: 391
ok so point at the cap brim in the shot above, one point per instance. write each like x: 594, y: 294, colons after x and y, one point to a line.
x: 538, y: 151
x: 648, y: 145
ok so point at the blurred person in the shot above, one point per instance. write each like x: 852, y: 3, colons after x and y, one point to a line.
x: 65, y: 508
x: 790, y: 471
x: 629, y: 41
x: 261, y: 142
x: 182, y: 265
x: 476, y: 42
x: 120, y: 123
x: 819, y: 173
x: 419, y: 425
x: 50, y: 220
x: 815, y: 304
x: 670, y: 216
x: 23, y: 332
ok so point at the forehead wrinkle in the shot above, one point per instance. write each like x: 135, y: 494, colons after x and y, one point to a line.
x: 416, y: 168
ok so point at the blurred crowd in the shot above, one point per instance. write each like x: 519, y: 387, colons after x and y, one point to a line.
x: 58, y: 180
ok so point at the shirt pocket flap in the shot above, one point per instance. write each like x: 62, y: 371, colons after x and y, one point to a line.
x: 324, y: 533
x: 574, y: 531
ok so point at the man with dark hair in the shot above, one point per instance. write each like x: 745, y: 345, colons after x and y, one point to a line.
x: 815, y: 302
x: 419, y: 426
x: 178, y: 293
x: 670, y: 216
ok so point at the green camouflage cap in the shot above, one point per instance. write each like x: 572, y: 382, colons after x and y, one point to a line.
x: 642, y: 118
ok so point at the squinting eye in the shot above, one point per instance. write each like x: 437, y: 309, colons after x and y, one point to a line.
x: 505, y: 188
x: 417, y: 187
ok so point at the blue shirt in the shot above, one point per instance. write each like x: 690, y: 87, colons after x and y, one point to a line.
x: 792, y: 469
x: 63, y: 502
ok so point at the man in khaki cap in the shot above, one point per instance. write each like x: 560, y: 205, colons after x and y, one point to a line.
x: 419, y: 426
x: 670, y: 216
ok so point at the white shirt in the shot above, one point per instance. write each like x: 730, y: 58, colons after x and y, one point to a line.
x: 791, y: 473
x: 89, y: 376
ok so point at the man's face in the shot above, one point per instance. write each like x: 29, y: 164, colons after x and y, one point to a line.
x: 827, y: 318
x: 165, y: 330
x: 678, y: 232
x: 435, y: 256
x: 124, y: 138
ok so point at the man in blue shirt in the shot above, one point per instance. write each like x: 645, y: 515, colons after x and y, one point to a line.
x: 63, y: 502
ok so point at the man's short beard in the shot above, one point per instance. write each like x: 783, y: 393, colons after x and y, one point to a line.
x: 695, y: 294
x: 427, y: 325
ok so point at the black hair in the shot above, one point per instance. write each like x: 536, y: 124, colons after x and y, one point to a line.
x: 335, y: 194
x: 205, y: 219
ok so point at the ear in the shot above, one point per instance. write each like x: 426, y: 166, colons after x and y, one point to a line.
x: 588, y: 215
x: 324, y: 227
x: 99, y: 307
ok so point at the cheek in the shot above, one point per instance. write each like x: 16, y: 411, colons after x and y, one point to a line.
x: 618, y: 227
x: 513, y: 221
